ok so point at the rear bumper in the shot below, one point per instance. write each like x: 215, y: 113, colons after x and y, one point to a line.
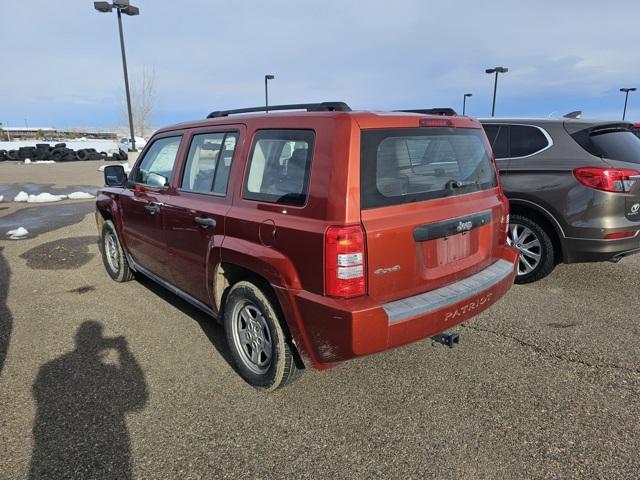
x: 336, y: 330
x: 591, y: 250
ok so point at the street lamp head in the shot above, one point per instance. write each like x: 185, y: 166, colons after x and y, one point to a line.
x: 627, y: 90
x: 121, y: 3
x: 269, y: 77
x: 468, y: 94
x: 497, y: 70
x: 130, y: 10
x: 104, y: 7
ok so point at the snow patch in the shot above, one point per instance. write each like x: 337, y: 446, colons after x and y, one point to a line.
x: 125, y: 165
x: 1, y: 198
x: 44, y: 161
x: 80, y: 195
x: 18, y: 233
x: 45, y: 197
x: 27, y: 160
x: 21, y: 197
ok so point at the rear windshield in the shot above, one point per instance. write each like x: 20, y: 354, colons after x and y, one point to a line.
x: 407, y: 165
x: 613, y: 144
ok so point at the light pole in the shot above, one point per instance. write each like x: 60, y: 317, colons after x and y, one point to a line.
x: 122, y: 6
x: 266, y: 91
x: 626, y: 97
x: 495, y: 70
x: 464, y: 102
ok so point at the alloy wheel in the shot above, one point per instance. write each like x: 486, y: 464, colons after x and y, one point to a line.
x: 252, y: 337
x: 529, y: 246
x: 111, y: 251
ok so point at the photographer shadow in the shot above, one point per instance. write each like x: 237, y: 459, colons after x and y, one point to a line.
x: 6, y: 321
x: 82, y: 400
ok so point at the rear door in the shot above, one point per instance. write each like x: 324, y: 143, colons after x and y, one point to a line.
x: 195, y: 212
x: 431, y: 207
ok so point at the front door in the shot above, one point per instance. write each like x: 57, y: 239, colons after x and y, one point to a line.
x: 195, y: 211
x: 142, y: 206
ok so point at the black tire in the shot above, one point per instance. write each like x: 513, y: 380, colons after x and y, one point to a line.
x: 544, y: 248
x: 82, y: 155
x: 117, y: 266
x: 12, y: 155
x: 281, y: 369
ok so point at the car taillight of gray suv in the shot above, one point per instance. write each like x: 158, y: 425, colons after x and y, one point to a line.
x: 573, y: 187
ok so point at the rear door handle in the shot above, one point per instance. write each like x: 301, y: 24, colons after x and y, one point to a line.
x: 152, y: 208
x: 205, y: 222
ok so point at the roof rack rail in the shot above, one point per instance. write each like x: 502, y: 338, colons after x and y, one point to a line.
x: 432, y: 111
x: 309, y: 107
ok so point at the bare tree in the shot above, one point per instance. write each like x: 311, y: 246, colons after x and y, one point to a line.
x: 143, y: 96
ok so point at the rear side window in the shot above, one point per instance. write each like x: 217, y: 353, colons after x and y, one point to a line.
x: 414, y: 164
x: 526, y: 140
x: 614, y: 144
x: 279, y: 166
x: 498, y: 136
x: 209, y: 162
x: 157, y: 164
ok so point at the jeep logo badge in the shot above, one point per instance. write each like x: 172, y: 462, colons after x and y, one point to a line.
x: 464, y: 226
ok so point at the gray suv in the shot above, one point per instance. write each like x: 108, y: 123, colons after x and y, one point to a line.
x: 574, y: 190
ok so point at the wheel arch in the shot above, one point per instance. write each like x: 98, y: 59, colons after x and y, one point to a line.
x: 544, y: 218
x: 227, y: 274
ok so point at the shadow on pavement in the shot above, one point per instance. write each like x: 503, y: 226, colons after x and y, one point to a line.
x: 6, y: 320
x: 82, y: 399
x: 213, y: 331
x: 64, y: 254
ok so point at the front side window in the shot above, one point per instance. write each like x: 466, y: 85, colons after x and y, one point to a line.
x: 209, y: 162
x: 408, y: 165
x: 279, y: 166
x: 157, y: 164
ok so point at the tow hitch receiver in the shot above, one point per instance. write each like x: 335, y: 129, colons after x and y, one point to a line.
x: 448, y: 339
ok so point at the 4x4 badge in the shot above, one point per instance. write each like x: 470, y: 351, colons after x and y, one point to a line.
x: 464, y: 226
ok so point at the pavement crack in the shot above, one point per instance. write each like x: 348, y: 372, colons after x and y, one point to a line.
x: 554, y: 355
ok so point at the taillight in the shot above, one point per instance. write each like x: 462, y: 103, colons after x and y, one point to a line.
x: 607, y: 179
x: 504, y: 221
x: 345, y: 269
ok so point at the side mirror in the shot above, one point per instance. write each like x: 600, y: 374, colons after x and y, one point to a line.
x: 114, y: 176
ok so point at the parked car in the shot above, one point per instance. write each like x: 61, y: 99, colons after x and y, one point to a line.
x: 636, y: 128
x: 314, y: 236
x: 573, y: 189
x: 125, y: 144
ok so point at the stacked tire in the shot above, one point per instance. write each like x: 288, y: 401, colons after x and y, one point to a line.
x: 58, y: 153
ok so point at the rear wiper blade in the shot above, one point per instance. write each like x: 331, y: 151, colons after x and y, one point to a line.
x: 453, y: 184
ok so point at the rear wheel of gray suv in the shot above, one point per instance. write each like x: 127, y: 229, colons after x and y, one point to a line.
x: 256, y: 339
x: 537, y: 257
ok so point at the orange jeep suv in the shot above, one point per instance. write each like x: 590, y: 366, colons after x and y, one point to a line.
x: 314, y: 233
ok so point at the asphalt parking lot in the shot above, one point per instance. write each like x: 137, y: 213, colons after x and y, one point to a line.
x: 137, y: 383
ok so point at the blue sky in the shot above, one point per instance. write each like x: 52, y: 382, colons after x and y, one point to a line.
x: 61, y: 60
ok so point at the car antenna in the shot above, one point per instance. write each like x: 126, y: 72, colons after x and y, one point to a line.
x: 577, y: 114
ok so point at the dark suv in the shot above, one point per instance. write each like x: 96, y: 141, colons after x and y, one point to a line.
x: 314, y: 236
x: 573, y: 189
